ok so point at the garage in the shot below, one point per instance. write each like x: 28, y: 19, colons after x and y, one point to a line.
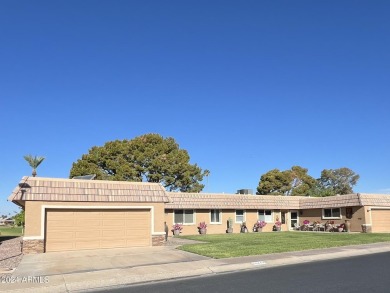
x: 380, y: 220
x: 78, y: 229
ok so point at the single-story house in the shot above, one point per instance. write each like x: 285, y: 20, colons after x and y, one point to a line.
x: 75, y: 214
x: 7, y: 221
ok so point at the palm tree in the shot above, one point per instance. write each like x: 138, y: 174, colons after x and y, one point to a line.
x: 34, y: 162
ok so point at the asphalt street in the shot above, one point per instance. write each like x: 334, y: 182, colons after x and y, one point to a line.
x: 369, y: 273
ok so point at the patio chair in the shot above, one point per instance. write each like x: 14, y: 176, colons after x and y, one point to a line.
x: 329, y: 227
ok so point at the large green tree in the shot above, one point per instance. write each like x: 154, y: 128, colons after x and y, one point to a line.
x: 274, y: 182
x: 301, y: 182
x: 337, y: 181
x: 149, y: 157
x: 293, y: 182
x: 19, y: 218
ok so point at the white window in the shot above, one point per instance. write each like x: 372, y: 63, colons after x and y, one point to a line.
x: 334, y: 213
x: 215, y: 217
x: 240, y: 216
x: 265, y: 215
x: 184, y: 217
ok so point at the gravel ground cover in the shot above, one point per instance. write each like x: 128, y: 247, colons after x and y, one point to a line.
x: 10, y: 254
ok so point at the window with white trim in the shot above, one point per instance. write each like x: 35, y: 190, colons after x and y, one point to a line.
x: 333, y: 213
x: 265, y: 215
x: 240, y: 216
x: 184, y: 217
x: 215, y: 216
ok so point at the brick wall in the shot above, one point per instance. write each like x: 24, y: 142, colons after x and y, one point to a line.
x: 158, y: 240
x: 33, y: 246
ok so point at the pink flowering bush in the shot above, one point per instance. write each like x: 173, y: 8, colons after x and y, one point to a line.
x: 202, y: 225
x: 177, y: 227
x: 260, y: 224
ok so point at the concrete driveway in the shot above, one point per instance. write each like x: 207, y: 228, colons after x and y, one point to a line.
x: 71, y: 262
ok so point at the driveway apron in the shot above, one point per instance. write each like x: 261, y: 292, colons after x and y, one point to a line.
x: 62, y: 263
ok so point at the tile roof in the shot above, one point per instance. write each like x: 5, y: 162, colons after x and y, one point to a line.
x: 56, y: 189
x: 375, y: 199
x: 346, y: 200
x: 236, y: 201
x: 230, y: 201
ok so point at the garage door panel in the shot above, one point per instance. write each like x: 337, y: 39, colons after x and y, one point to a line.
x: 380, y: 220
x: 114, y: 214
x: 114, y: 223
x: 82, y: 215
x: 61, y: 246
x: 118, y: 244
x: 86, y: 245
x: 63, y: 223
x: 94, y: 229
x: 134, y: 222
x: 114, y: 233
x: 61, y: 216
x: 87, y: 234
x: 61, y: 235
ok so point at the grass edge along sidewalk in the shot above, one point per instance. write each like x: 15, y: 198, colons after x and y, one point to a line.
x: 246, y: 244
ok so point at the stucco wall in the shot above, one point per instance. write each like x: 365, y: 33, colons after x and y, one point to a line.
x: 33, y: 213
x: 204, y: 215
x: 358, y: 217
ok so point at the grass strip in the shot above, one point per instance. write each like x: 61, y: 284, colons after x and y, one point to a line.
x: 245, y: 244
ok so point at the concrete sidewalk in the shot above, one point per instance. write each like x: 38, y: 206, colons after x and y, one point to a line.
x: 175, y: 264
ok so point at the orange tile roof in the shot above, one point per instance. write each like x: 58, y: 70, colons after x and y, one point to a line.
x: 56, y: 189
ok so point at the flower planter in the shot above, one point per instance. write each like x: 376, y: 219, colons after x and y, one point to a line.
x: 229, y: 230
x: 348, y: 226
x: 202, y: 231
x: 259, y: 229
x: 176, y: 232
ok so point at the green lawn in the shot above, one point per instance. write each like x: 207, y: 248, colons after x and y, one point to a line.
x: 235, y: 245
x: 10, y: 231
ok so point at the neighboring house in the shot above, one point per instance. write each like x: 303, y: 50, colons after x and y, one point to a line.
x: 75, y: 214
x: 7, y: 221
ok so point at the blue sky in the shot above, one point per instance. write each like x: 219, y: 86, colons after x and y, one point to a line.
x: 245, y: 87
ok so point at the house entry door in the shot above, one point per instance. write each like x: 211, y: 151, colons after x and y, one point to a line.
x: 294, y: 219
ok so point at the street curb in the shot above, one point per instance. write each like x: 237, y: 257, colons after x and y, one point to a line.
x: 117, y: 278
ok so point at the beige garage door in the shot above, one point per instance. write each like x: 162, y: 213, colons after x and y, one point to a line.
x: 94, y: 229
x: 380, y: 220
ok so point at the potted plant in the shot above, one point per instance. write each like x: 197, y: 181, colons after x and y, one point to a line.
x: 243, y: 228
x: 202, y: 228
x: 229, y: 225
x: 258, y: 226
x: 305, y: 225
x: 176, y: 229
x: 277, y: 225
x: 341, y: 227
